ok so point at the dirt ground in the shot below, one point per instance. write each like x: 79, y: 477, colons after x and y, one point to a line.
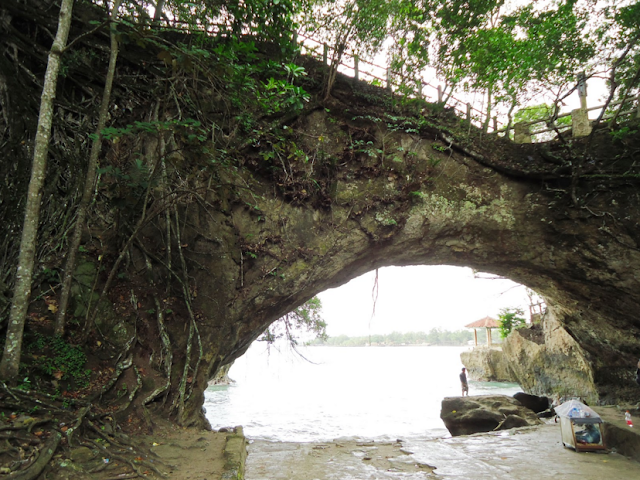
x: 179, y: 453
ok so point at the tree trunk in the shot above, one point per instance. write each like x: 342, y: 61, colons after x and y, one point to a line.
x: 90, y: 180
x: 13, y: 346
x: 157, y: 15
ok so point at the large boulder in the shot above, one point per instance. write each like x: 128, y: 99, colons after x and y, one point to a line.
x: 533, y: 402
x: 484, y: 413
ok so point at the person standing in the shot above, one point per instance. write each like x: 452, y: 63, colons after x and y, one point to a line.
x: 463, y: 382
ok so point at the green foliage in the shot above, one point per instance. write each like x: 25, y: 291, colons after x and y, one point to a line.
x: 281, y: 95
x: 622, y: 133
x: 484, y: 45
x: 357, y: 25
x: 541, y: 112
x: 618, y: 36
x: 25, y: 384
x: 58, y: 359
x: 438, y: 147
x: 509, y: 320
x: 435, y: 336
x: 366, y: 147
x: 304, y: 320
x: 187, y: 127
x: 534, y: 112
x: 51, y: 275
x: 266, y: 20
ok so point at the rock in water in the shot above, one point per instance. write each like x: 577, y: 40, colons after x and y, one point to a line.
x: 533, y: 402
x: 484, y: 413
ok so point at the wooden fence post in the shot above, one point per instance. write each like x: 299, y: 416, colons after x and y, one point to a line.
x: 469, y: 112
x: 325, y: 53
x: 356, y: 61
x: 521, y: 133
x: 389, y: 79
x: 439, y: 94
x: 495, y: 124
x: 582, y: 89
x: 580, y: 125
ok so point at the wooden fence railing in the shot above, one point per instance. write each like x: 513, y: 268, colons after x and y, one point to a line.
x: 383, y: 76
x: 580, y: 125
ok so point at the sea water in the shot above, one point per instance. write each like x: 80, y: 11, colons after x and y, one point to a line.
x: 333, y: 392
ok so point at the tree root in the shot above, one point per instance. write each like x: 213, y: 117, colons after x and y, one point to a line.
x: 167, y: 352
x: 125, y: 459
x: 183, y: 395
x: 120, y: 367
x: 36, y: 467
x: 36, y: 426
x: 193, y: 330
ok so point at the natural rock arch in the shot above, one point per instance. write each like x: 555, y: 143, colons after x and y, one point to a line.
x: 435, y: 203
x: 317, y: 198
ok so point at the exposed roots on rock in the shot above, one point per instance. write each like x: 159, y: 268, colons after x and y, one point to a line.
x: 34, y: 427
x: 167, y: 351
x: 193, y: 331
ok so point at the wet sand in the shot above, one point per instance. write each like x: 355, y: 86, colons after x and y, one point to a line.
x: 526, y: 453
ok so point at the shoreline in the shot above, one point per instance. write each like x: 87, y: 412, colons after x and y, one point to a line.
x: 227, y: 454
x: 384, y: 346
x: 494, y: 455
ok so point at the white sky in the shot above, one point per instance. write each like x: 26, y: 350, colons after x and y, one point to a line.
x: 417, y: 298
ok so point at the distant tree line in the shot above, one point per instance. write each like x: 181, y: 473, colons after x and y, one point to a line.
x: 434, y: 337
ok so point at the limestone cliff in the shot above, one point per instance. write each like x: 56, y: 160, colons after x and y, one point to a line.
x: 487, y: 365
x: 554, y: 365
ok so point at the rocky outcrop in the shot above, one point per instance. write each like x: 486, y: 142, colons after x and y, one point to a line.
x: 222, y: 376
x: 487, y: 365
x: 556, y: 366
x: 484, y: 413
